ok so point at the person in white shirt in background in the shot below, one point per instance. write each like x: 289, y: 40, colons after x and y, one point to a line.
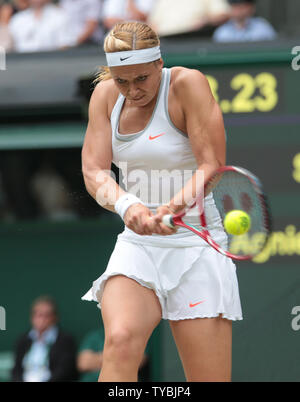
x: 85, y: 18
x: 171, y: 17
x: 115, y: 11
x: 7, y: 10
x: 243, y: 25
x: 5, y: 37
x: 41, y: 27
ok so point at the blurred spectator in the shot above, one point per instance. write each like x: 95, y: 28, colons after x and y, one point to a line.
x: 5, y: 15
x: 52, y: 191
x: 43, y: 26
x: 243, y: 26
x: 85, y: 17
x: 170, y: 17
x: 45, y: 353
x: 89, y: 360
x: 16, y: 169
x: 44, y: 184
x: 7, y: 10
x: 119, y: 10
x: 19, y: 5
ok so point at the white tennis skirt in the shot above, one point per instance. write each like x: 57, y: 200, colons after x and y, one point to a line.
x: 189, y: 281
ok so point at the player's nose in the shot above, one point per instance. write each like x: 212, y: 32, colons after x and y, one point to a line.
x: 134, y: 91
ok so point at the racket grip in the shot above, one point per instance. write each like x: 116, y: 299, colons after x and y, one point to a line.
x: 168, y: 221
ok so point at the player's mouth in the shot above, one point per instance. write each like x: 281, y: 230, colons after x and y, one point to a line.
x: 137, y: 99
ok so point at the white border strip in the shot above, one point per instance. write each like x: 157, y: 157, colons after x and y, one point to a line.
x: 2, y: 58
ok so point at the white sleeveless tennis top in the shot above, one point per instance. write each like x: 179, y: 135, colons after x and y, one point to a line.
x: 155, y: 163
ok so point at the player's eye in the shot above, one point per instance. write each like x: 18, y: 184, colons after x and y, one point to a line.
x: 142, y: 78
x: 120, y: 81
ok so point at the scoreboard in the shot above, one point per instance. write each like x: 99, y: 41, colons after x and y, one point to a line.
x: 245, y: 92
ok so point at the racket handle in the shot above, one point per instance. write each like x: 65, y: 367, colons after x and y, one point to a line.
x: 168, y: 221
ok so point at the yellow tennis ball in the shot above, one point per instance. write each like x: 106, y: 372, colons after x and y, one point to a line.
x: 237, y: 222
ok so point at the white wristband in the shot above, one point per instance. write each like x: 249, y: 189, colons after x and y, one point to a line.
x: 124, y: 202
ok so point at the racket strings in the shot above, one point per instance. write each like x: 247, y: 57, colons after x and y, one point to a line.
x: 235, y: 191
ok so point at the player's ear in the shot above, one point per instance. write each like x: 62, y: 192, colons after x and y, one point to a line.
x: 159, y: 63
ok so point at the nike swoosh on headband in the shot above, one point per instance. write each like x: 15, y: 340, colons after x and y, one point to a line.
x: 138, y: 56
x: 125, y: 58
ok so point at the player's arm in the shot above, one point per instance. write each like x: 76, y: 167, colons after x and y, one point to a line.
x: 205, y: 128
x: 97, y: 159
x: 97, y: 152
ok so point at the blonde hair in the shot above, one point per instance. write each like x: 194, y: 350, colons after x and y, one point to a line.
x: 127, y: 36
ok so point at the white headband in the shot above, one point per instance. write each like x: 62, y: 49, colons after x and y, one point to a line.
x: 130, y: 57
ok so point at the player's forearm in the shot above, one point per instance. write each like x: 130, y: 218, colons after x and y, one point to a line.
x: 193, y: 188
x: 102, y: 187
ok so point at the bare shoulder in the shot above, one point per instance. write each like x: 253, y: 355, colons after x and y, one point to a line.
x: 187, y: 80
x: 104, y: 96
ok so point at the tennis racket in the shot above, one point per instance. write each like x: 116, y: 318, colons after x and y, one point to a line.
x: 229, y: 188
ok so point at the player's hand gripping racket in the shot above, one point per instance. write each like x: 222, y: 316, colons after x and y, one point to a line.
x: 233, y: 195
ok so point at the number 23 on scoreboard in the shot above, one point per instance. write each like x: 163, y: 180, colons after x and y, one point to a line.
x: 263, y: 84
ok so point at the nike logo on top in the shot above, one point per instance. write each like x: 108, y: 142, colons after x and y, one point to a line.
x: 125, y: 58
x: 196, y: 304
x: 156, y: 136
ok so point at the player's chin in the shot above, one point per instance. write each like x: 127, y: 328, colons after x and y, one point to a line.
x: 140, y: 101
x: 143, y: 100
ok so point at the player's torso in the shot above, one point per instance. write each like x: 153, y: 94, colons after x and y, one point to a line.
x: 154, y: 142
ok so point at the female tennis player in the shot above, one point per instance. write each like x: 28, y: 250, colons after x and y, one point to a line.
x: 147, y: 119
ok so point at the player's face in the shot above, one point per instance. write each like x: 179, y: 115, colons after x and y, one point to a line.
x: 242, y: 11
x: 139, y: 83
